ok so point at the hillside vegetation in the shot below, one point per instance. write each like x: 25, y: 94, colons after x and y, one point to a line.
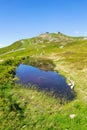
x: 30, y: 109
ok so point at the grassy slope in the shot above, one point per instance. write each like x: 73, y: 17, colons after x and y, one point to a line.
x: 41, y: 111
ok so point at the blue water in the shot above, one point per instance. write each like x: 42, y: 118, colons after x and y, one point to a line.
x: 45, y: 80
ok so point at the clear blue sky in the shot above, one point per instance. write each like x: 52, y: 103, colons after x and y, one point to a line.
x: 27, y: 18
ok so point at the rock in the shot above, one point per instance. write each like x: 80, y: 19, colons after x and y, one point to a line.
x: 72, y: 116
x: 61, y: 47
x: 71, y: 84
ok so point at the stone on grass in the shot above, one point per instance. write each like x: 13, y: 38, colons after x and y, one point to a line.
x: 72, y: 116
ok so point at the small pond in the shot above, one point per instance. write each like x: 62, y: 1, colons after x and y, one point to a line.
x: 45, y: 80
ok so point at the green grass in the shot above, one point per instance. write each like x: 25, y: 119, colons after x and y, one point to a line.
x: 30, y: 109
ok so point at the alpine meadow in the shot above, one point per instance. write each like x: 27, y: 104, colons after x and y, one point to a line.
x: 23, y: 106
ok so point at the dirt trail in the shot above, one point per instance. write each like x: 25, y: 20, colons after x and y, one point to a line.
x: 13, y: 51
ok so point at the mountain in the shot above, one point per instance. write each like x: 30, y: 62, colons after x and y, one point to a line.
x: 46, y: 40
x: 27, y: 108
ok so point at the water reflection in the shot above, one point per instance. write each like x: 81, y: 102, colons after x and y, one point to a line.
x: 45, y: 80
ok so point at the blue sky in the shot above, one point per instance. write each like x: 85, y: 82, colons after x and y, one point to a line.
x: 21, y: 19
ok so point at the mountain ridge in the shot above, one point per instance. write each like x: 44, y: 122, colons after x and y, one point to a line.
x: 44, y: 38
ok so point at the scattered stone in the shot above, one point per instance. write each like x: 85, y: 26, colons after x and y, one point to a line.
x: 61, y: 47
x: 72, y: 116
x: 85, y: 38
x: 71, y: 83
x: 32, y: 97
x: 22, y: 41
x: 1, y: 60
x: 24, y: 126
